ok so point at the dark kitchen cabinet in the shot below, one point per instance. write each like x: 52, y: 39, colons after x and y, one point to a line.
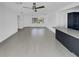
x: 73, y: 20
x: 70, y: 42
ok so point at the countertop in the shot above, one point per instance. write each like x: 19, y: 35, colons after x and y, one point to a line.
x: 72, y: 32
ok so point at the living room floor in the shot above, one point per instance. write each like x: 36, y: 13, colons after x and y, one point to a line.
x: 33, y: 42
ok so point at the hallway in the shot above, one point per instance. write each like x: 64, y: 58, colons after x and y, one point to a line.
x: 33, y: 42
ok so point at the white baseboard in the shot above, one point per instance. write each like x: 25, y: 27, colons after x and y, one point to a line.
x: 50, y: 28
x: 20, y: 27
x: 6, y: 37
x: 34, y: 26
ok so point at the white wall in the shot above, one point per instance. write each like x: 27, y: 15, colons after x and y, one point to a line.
x: 49, y: 22
x: 8, y: 23
x: 51, y: 19
x: 61, y: 17
x: 28, y: 20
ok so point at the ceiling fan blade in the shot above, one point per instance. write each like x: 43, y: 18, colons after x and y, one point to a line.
x: 40, y: 7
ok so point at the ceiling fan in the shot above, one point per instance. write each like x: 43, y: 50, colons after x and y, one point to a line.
x: 34, y: 7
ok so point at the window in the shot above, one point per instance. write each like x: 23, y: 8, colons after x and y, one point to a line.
x: 38, y: 20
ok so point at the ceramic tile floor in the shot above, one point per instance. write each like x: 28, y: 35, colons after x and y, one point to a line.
x: 33, y: 42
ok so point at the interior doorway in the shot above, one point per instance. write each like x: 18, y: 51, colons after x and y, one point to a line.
x: 20, y: 21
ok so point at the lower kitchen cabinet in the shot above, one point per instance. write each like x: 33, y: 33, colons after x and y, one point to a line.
x: 70, y: 42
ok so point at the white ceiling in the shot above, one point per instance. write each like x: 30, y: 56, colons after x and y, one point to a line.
x: 49, y: 6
